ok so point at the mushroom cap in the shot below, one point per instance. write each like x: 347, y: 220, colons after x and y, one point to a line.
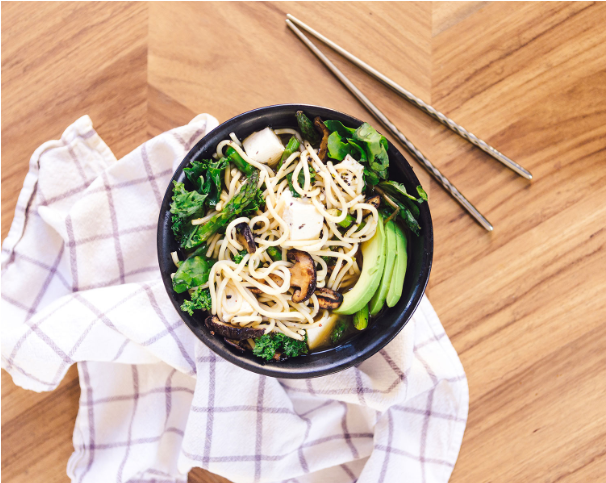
x: 374, y: 201
x: 240, y: 345
x: 217, y: 326
x: 328, y: 298
x: 245, y: 237
x: 302, y: 275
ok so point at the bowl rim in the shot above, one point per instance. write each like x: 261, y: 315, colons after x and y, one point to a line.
x: 278, y: 370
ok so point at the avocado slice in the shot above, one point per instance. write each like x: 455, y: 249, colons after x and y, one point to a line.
x: 374, y: 254
x: 399, y: 270
x: 378, y: 300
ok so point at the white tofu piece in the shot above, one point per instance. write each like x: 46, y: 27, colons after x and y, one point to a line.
x: 232, y: 305
x: 264, y: 147
x: 303, y: 219
x: 318, y: 336
x: 354, y: 168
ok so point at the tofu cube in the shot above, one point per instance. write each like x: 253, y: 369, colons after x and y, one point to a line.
x: 303, y: 219
x: 320, y: 336
x: 354, y: 169
x: 264, y: 147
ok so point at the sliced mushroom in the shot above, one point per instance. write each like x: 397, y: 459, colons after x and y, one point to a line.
x: 328, y: 299
x: 217, y: 326
x: 374, y: 201
x: 246, y: 238
x: 323, y: 130
x: 276, y: 278
x: 302, y: 275
x: 240, y: 345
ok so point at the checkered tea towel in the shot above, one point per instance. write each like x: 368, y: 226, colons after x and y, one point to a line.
x: 80, y: 284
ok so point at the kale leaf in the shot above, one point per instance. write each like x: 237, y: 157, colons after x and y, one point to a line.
x: 185, y: 206
x: 200, y: 300
x: 267, y: 346
x: 207, y: 176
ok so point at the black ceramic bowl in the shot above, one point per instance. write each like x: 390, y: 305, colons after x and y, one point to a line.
x: 362, y: 345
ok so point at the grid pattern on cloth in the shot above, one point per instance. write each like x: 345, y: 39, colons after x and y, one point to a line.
x: 80, y: 284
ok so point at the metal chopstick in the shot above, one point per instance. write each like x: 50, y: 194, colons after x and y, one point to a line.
x: 412, y: 149
x: 449, y: 123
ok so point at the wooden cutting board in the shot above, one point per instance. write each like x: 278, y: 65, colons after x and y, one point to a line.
x: 525, y: 306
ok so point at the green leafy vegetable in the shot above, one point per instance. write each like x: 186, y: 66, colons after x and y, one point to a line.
x: 240, y: 256
x: 370, y: 178
x: 409, y: 219
x: 339, y: 331
x: 238, y: 161
x: 356, y: 151
x: 375, y: 146
x: 422, y: 193
x: 337, y: 126
x: 292, y: 146
x: 186, y: 203
x: 337, y: 149
x: 399, y: 193
x: 191, y: 273
x: 301, y: 180
x: 185, y: 206
x: 200, y: 300
x: 268, y: 345
x: 307, y: 128
x: 207, y: 177
x: 247, y: 201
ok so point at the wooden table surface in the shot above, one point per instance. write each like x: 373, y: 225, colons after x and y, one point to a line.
x: 525, y: 306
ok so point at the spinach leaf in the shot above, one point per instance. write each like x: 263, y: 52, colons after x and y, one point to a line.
x: 337, y: 149
x: 422, y: 193
x: 370, y: 178
x: 200, y: 300
x: 344, y: 131
x: 192, y: 272
x: 307, y: 128
x: 375, y: 147
x: 356, y: 151
x: 398, y: 191
x: 409, y: 219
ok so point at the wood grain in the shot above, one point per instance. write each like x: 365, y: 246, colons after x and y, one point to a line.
x: 525, y: 306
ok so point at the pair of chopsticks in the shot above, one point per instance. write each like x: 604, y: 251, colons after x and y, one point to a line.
x: 410, y: 147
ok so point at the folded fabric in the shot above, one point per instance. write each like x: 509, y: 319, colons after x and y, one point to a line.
x: 81, y: 284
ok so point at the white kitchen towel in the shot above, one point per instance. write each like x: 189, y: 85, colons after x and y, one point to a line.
x: 80, y: 284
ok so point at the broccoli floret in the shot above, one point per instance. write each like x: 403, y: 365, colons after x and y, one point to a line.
x: 200, y: 300
x: 267, y: 346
